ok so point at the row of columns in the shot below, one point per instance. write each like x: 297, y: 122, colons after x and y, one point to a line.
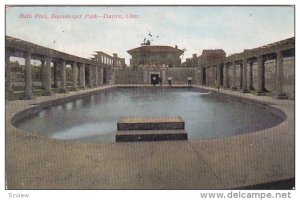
x: 46, y: 75
x: 215, y: 74
x: 107, y: 60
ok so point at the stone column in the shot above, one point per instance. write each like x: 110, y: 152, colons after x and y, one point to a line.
x: 115, y: 60
x: 260, y: 77
x: 111, y: 76
x: 206, y: 76
x: 214, y: 78
x: 90, y: 76
x: 82, y: 76
x: 278, y: 94
x: 211, y: 76
x: 216, y: 75
x: 47, y: 77
x: 233, y: 87
x: 96, y: 76
x: 225, y: 72
x: 104, y: 74
x: 28, y: 76
x: 7, y: 73
x: 201, y: 75
x: 101, y: 76
x: 244, y: 81
x: 250, y: 78
x: 163, y: 76
x: 55, y: 75
x: 74, y: 75
x: 218, y: 67
x: 240, y: 84
x: 42, y: 74
x: 63, y: 77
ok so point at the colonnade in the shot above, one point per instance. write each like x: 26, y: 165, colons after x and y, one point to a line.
x: 108, y: 60
x: 217, y: 73
x: 95, y: 73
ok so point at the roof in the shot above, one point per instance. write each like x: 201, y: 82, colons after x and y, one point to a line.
x: 25, y: 46
x: 266, y: 49
x: 286, y: 42
x: 156, y: 48
x: 103, y: 53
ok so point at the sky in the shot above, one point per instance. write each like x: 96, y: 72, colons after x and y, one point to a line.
x: 194, y: 28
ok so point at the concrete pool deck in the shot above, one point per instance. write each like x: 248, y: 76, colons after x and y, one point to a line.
x: 36, y: 162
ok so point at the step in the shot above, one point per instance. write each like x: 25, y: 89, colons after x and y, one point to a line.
x: 150, y: 123
x: 150, y: 135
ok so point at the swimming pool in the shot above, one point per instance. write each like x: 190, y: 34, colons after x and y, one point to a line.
x: 94, y: 118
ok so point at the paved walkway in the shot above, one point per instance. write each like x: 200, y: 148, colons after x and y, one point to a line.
x: 35, y: 162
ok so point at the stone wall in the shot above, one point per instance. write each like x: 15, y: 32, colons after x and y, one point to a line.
x: 141, y: 76
x: 129, y: 76
x: 180, y: 75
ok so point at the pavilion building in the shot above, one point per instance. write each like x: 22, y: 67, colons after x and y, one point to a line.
x: 155, y: 56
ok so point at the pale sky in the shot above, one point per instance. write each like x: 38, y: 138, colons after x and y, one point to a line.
x: 191, y: 27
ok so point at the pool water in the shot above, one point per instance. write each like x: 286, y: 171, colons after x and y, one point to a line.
x: 94, y: 118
